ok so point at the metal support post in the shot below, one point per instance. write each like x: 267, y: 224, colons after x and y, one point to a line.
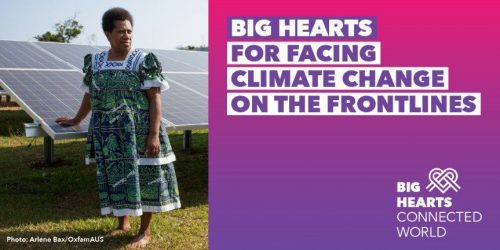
x: 48, y: 149
x: 187, y: 140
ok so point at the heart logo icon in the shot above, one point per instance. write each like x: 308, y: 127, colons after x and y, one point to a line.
x: 443, y: 180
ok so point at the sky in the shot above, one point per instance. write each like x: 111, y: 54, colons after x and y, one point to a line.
x: 157, y: 24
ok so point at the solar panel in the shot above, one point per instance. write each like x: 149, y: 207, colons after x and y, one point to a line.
x: 182, y: 61
x: 190, y: 81
x: 49, y: 89
x: 47, y: 95
x: 178, y: 60
x: 102, y: 47
x: 71, y: 53
x: 184, y: 106
x: 27, y: 55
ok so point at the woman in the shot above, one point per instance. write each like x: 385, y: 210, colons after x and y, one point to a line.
x: 127, y: 137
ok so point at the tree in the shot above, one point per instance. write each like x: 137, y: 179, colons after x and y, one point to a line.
x: 65, y: 32
x: 192, y: 47
x: 49, y: 37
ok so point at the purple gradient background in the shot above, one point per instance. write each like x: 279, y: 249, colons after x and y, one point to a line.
x: 330, y: 182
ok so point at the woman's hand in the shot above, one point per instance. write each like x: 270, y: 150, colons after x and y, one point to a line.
x: 82, y: 113
x: 66, y: 121
x: 152, y: 145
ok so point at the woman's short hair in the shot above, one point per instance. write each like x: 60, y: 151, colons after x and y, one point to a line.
x: 115, y: 14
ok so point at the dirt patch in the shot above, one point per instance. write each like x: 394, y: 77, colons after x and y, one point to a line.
x: 198, y: 156
x: 9, y: 106
x: 38, y: 163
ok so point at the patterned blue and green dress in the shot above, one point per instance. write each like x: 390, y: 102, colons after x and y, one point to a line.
x: 130, y: 182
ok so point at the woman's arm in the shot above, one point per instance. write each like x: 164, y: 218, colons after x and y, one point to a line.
x: 82, y: 113
x: 153, y: 141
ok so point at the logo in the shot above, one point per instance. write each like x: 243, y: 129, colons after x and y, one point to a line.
x: 425, y: 215
x: 443, y: 180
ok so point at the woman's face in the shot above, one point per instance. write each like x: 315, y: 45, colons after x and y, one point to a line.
x: 120, y: 38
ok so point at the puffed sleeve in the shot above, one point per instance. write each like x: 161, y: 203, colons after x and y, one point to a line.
x: 87, y: 70
x: 150, y: 70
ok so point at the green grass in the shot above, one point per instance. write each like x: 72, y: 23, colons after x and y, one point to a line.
x: 61, y: 199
